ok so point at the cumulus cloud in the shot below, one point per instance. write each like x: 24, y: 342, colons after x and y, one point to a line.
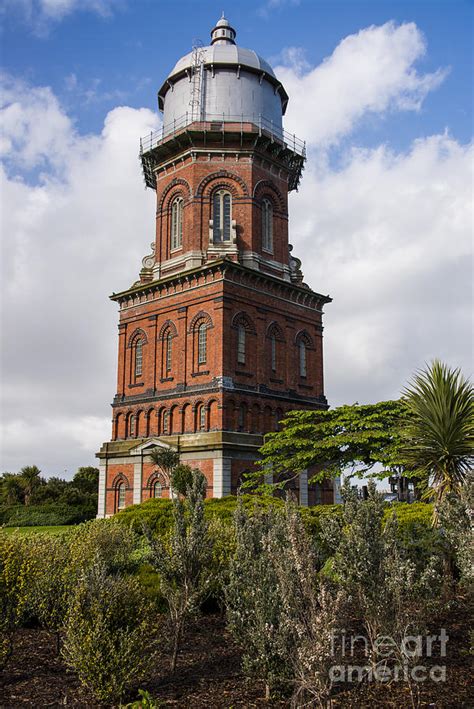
x: 389, y: 236
x: 41, y: 14
x: 369, y: 72
x: 75, y: 230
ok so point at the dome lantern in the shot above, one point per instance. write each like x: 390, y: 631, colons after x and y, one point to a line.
x: 223, y: 33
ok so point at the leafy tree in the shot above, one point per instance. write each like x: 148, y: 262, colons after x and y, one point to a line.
x: 12, y: 491
x: 348, y: 437
x: 182, y: 478
x: 86, y: 479
x: 51, y: 491
x: 30, y: 480
x: 438, y: 438
x: 183, y: 562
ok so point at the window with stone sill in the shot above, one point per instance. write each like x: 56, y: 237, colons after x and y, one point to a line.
x: 221, y: 216
x: 202, y: 343
x: 120, y: 497
x: 241, y: 334
x: 177, y: 223
x: 267, y: 226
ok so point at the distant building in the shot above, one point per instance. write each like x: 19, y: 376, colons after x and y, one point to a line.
x: 220, y: 337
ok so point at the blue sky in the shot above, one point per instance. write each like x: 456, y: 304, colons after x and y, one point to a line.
x: 382, y: 92
x: 95, y: 62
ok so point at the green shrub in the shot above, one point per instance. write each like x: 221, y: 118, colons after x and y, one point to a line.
x: 45, y: 515
x: 109, y: 640
x: 104, y: 541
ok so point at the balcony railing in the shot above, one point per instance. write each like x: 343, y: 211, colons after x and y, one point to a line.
x: 222, y: 123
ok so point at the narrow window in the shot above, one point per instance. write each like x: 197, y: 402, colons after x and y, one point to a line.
x: 177, y: 223
x: 165, y: 422
x: 169, y: 345
x: 267, y: 225
x: 241, y: 344
x: 120, y: 497
x: 221, y: 216
x: 202, y: 343
x: 273, y: 352
x: 131, y: 425
x: 138, y: 359
x: 202, y: 418
x: 157, y: 489
x: 302, y: 352
x: 242, y: 416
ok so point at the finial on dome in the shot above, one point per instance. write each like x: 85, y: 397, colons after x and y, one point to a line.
x: 223, y: 33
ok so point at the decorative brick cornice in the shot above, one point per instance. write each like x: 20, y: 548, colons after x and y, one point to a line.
x: 218, y: 270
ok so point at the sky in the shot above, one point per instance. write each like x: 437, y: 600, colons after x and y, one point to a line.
x: 381, y: 91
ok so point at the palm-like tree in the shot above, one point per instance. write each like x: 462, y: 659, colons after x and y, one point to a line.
x: 166, y: 458
x: 30, y: 480
x: 439, y: 436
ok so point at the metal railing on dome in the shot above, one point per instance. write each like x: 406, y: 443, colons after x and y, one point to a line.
x: 221, y: 123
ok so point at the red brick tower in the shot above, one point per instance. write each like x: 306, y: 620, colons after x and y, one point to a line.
x: 220, y: 337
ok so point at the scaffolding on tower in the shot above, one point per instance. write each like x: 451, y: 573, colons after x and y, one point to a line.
x: 197, y: 79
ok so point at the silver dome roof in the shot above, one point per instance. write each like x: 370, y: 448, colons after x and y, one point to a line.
x: 224, y: 55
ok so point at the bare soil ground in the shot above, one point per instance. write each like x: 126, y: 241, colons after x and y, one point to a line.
x: 209, y: 675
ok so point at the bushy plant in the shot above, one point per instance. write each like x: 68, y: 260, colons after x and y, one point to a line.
x: 109, y: 640
x: 104, y: 541
x: 456, y: 521
x: 183, y: 561
x: 253, y: 599
x: 278, y: 610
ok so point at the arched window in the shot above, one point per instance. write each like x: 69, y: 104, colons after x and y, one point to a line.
x: 202, y: 418
x: 267, y: 225
x: 166, y: 422
x: 131, y: 425
x: 221, y: 216
x: 168, y: 351
x: 202, y: 343
x: 302, y: 357
x: 241, y: 344
x: 273, y: 348
x: 157, y: 489
x: 138, y: 358
x: 242, y: 417
x: 177, y: 223
x: 120, y: 497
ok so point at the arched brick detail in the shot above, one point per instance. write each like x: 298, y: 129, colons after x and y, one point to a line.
x: 120, y: 478
x: 265, y: 188
x: 223, y: 176
x: 304, y: 336
x: 157, y: 475
x: 175, y: 184
x: 242, y: 318
x: 137, y: 334
x: 167, y: 326
x: 275, y: 329
x: 202, y: 315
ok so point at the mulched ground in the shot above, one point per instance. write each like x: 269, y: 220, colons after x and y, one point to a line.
x: 209, y: 675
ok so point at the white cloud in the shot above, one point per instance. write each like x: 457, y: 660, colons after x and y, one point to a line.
x: 368, y: 72
x: 389, y: 236
x: 41, y: 14
x: 73, y: 236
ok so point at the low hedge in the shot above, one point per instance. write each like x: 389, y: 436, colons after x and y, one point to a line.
x: 415, y: 530
x: 49, y: 515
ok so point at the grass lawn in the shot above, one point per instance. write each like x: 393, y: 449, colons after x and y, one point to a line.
x: 32, y: 530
